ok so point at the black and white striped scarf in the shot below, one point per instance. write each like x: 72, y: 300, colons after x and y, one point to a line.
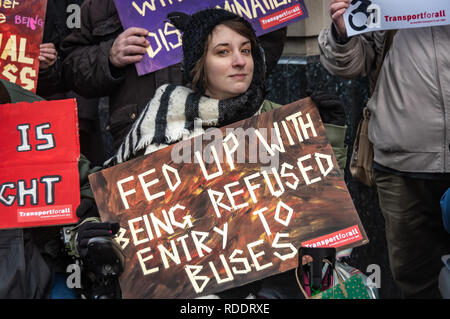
x: 169, y: 117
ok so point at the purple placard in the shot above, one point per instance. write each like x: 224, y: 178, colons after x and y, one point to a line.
x: 165, y: 41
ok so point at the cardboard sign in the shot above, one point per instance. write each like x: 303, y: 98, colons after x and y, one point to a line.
x: 165, y: 40
x: 375, y: 15
x: 39, y: 181
x: 194, y: 224
x: 21, y: 29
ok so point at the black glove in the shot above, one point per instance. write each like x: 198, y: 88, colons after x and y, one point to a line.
x: 87, y: 208
x: 330, y: 107
x: 89, y: 230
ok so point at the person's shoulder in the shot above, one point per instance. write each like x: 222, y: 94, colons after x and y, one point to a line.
x: 105, y: 4
x: 102, y: 14
x: 18, y: 94
x: 269, y: 106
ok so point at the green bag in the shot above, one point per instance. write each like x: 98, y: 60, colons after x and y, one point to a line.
x: 348, y: 283
x: 352, y: 288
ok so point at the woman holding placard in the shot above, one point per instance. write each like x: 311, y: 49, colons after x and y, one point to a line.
x: 224, y: 65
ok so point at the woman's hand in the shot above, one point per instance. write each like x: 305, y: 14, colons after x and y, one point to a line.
x: 47, y: 55
x: 337, y: 10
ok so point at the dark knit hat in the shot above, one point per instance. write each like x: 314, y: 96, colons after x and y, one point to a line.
x: 197, y: 27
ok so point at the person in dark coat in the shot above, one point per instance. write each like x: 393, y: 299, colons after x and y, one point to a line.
x: 52, y: 86
x: 99, y: 60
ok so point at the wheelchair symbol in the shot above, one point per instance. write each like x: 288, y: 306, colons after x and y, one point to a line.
x: 362, y: 8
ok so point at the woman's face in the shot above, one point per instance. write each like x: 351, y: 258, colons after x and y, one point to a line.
x: 228, y: 64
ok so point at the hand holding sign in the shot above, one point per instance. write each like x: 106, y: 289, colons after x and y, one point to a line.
x: 377, y: 15
x: 129, y: 47
x: 337, y: 10
x: 47, y: 55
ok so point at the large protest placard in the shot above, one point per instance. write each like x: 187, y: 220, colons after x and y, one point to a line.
x: 21, y: 29
x: 39, y: 181
x: 228, y: 207
x: 165, y: 40
x: 374, y: 15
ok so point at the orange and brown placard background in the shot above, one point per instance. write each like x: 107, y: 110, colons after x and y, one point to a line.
x: 198, y: 250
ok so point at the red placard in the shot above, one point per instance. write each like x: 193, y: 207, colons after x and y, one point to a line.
x: 21, y: 29
x: 39, y: 180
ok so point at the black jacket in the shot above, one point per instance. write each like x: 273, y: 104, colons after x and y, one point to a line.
x: 88, y: 72
x: 55, y: 30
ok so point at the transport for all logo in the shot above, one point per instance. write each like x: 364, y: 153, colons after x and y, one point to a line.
x: 364, y: 15
x: 378, y: 15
